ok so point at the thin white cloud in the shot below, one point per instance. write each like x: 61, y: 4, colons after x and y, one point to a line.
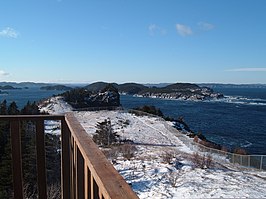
x: 3, y: 73
x: 154, y: 29
x: 9, y: 33
x: 183, y: 30
x: 247, y: 70
x: 205, y: 26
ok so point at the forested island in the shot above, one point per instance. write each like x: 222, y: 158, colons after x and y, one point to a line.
x: 184, y: 91
x: 56, y: 87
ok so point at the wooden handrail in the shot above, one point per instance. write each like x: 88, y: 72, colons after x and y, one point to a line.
x: 102, y: 178
x: 85, y: 171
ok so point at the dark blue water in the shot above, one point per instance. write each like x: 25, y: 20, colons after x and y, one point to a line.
x: 237, y: 121
x: 22, y: 96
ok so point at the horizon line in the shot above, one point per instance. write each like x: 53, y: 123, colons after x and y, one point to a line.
x: 37, y: 82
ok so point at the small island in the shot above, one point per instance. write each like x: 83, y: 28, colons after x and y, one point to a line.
x: 182, y: 91
x: 56, y: 88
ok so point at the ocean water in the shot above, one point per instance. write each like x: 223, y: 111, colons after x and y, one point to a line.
x: 239, y: 120
x: 22, y: 96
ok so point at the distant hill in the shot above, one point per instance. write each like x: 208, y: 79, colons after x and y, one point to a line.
x: 127, y: 88
x: 23, y: 84
x: 131, y: 88
x: 56, y: 87
x: 8, y: 87
x: 181, y: 86
x: 98, y: 86
x: 159, y: 85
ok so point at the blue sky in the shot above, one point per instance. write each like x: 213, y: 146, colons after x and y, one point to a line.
x: 145, y: 41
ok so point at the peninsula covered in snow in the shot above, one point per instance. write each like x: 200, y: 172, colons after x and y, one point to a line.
x: 157, y: 163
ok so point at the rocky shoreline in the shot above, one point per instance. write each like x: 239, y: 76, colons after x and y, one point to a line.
x: 180, y: 96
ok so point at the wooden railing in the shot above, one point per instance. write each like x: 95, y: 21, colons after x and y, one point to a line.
x: 85, y: 172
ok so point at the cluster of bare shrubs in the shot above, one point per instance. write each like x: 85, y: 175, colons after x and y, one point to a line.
x: 173, y: 177
x: 168, y: 157
x: 206, y: 143
x: 202, y: 162
x: 127, y: 151
x: 240, y: 151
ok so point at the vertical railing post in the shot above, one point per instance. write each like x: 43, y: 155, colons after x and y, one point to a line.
x: 95, y: 189
x: 80, y: 175
x: 65, y: 161
x: 72, y: 168
x: 16, y: 159
x: 91, y: 186
x: 75, y: 170
x: 86, y: 182
x: 261, y: 162
x: 41, y: 165
x: 88, y: 194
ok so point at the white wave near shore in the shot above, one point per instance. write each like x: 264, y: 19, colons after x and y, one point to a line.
x: 151, y: 176
x: 242, y: 100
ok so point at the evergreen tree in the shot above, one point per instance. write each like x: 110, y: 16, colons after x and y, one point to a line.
x: 105, y: 135
x: 13, y: 109
x: 30, y: 109
x: 5, y: 164
x: 6, y: 174
x: 3, y: 108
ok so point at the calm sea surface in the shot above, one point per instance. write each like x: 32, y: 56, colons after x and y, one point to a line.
x: 239, y: 120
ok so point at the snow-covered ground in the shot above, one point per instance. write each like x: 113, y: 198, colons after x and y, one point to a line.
x: 152, y: 175
x: 55, y: 105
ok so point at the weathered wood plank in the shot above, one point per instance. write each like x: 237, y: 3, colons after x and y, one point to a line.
x: 41, y: 164
x: 16, y: 159
x: 65, y: 162
x: 80, y: 176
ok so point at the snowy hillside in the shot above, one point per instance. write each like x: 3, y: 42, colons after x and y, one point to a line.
x: 163, y: 166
